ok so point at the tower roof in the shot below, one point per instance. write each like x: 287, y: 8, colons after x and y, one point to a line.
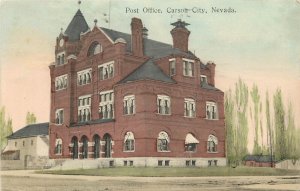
x: 180, y: 24
x: 76, y: 26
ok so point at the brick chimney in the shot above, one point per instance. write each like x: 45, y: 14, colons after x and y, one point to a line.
x: 137, y: 37
x: 180, y: 35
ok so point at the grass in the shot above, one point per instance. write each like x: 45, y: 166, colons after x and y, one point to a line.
x: 176, y: 172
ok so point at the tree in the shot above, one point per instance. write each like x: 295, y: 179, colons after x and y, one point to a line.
x: 280, y: 130
x: 5, y: 128
x: 236, y: 122
x: 30, y: 118
x: 270, y: 131
x: 257, y: 108
x: 291, y: 135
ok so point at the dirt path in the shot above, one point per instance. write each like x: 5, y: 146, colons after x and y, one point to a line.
x: 28, y: 180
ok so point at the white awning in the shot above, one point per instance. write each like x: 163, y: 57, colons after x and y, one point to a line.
x: 190, y: 139
x: 128, y: 136
x: 10, y: 147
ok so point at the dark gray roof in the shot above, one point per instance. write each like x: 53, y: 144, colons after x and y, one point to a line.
x: 76, y: 26
x: 148, y: 70
x: 259, y: 158
x: 152, y: 48
x: 30, y: 131
x: 209, y: 87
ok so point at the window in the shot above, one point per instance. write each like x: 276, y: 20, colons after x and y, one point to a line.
x: 125, y: 162
x: 190, y: 143
x: 211, y: 110
x: 59, y: 116
x: 187, y: 163
x: 193, y: 163
x: 84, y: 77
x: 61, y: 82
x: 172, y: 63
x: 189, y: 108
x: 16, y: 143
x: 167, y: 162
x: 212, y: 162
x: 163, y: 104
x: 160, y: 163
x: 129, y: 105
x: 58, y: 147
x: 106, y: 70
x: 84, y: 108
x: 212, y: 143
x: 94, y: 49
x: 188, y: 67
x: 129, y: 142
x: 60, y: 58
x: 23, y: 143
x: 106, y: 105
x: 203, y: 79
x: 163, y: 142
x: 31, y: 142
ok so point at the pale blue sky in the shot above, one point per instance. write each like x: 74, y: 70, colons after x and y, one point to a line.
x: 259, y: 43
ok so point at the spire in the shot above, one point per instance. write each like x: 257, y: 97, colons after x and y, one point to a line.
x: 77, y: 25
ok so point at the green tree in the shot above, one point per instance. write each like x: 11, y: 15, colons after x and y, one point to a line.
x: 270, y: 132
x: 229, y: 123
x: 257, y: 108
x: 280, y: 130
x: 291, y: 135
x: 5, y: 128
x: 30, y: 118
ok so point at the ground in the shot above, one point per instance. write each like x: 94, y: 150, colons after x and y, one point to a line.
x: 25, y: 180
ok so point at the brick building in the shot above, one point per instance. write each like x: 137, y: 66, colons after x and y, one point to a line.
x: 132, y: 100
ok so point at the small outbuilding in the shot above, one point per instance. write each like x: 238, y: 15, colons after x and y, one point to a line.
x: 259, y: 161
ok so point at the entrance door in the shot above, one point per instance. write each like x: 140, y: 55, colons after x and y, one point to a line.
x: 96, y: 139
x: 107, y: 146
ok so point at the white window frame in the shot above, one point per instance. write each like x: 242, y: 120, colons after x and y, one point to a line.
x: 60, y: 118
x: 211, y: 110
x: 203, y: 77
x: 172, y: 66
x: 189, y: 69
x: 84, y: 105
x: 108, y: 104
x: 61, y: 58
x: 163, y: 105
x: 129, y: 136
x: 108, y: 68
x: 61, y: 82
x: 212, y: 139
x: 129, y: 105
x: 83, y: 74
x: 58, y: 150
x: 163, y: 138
x: 189, y: 108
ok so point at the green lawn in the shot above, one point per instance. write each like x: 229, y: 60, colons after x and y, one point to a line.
x: 176, y: 172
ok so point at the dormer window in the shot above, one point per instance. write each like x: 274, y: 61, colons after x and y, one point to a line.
x: 172, y: 63
x: 188, y: 67
x: 203, y: 79
x: 94, y: 49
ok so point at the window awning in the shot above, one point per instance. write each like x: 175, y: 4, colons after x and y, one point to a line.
x: 10, y: 147
x: 128, y: 136
x: 190, y: 139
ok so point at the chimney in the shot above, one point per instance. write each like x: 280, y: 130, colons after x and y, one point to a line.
x: 137, y: 37
x: 212, y: 67
x: 180, y: 35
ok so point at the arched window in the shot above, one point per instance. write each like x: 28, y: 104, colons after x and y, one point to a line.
x: 94, y: 49
x: 74, y: 147
x: 108, y: 145
x: 129, y: 142
x: 212, y: 143
x: 190, y: 142
x: 163, y: 141
x: 85, y: 147
x: 96, y: 140
x: 58, y: 147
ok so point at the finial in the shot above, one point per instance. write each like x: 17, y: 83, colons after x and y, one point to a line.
x: 95, y: 21
x: 79, y: 2
x: 61, y: 30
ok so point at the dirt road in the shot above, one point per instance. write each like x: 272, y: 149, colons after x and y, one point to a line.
x: 29, y: 181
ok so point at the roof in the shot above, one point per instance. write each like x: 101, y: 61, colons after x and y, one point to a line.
x: 77, y: 25
x: 208, y: 87
x: 30, y: 131
x: 259, y: 158
x: 148, y: 70
x: 152, y: 48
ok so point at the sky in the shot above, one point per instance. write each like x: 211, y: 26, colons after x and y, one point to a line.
x: 258, y: 43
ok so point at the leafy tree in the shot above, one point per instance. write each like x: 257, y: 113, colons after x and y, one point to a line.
x: 5, y: 128
x: 280, y: 130
x: 256, y: 102
x: 291, y: 135
x: 270, y: 132
x: 229, y: 123
x: 30, y: 118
